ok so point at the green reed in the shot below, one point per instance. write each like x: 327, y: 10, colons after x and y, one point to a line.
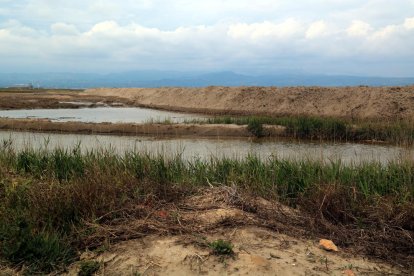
x: 308, y: 127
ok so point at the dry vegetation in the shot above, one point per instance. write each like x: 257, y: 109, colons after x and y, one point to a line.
x: 54, y: 204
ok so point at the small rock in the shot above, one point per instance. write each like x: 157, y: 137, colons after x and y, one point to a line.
x: 328, y: 245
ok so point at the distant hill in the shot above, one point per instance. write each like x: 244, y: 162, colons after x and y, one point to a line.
x: 189, y: 79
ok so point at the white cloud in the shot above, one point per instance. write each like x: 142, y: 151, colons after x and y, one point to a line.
x: 317, y: 29
x: 385, y: 32
x: 257, y: 31
x: 359, y: 28
x: 409, y: 23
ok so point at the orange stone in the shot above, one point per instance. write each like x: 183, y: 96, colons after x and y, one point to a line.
x: 328, y: 245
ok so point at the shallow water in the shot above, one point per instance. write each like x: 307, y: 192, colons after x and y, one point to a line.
x: 100, y: 115
x: 207, y: 148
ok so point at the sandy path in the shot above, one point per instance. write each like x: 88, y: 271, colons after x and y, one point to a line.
x: 357, y: 102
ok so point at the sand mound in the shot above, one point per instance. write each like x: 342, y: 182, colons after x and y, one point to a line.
x: 356, y: 102
x: 257, y: 250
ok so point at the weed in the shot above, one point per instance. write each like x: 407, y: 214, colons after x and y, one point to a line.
x: 255, y: 128
x: 45, y: 252
x: 88, y: 268
x: 222, y: 247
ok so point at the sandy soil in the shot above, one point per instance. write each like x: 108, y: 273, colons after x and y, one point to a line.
x: 258, y: 250
x: 356, y: 102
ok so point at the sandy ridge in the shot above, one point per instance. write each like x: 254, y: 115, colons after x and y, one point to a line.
x: 356, y: 102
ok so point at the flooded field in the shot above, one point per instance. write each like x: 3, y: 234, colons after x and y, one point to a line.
x: 207, y: 148
x: 100, y: 115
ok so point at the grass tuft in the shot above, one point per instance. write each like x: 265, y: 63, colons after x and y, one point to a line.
x: 221, y: 247
x: 88, y: 268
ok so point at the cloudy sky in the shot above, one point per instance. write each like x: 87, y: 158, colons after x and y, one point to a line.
x: 353, y: 37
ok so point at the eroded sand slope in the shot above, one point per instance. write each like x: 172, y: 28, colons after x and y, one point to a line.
x: 357, y: 102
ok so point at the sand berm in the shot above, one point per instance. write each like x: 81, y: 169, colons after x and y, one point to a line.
x: 351, y: 102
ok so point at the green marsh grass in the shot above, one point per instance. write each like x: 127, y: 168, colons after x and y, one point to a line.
x: 46, y: 197
x: 308, y: 127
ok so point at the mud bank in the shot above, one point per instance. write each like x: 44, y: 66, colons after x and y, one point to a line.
x: 34, y: 99
x: 175, y: 130
x: 349, y: 102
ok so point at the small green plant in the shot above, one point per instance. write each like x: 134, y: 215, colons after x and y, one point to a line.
x: 255, y: 127
x: 222, y: 247
x: 88, y: 268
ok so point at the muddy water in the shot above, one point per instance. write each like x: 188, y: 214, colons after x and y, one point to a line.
x: 100, y: 115
x: 206, y: 148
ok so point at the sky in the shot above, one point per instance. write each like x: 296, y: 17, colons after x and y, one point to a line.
x: 347, y: 37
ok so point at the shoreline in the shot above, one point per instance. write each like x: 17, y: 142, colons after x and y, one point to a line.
x: 176, y: 130
x: 150, y: 129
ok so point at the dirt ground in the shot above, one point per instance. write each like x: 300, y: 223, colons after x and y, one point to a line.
x: 351, y: 102
x: 258, y: 250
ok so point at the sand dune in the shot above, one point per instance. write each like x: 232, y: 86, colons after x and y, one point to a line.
x: 356, y: 102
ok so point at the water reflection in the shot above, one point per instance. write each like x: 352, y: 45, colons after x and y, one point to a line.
x: 207, y: 148
x: 100, y: 115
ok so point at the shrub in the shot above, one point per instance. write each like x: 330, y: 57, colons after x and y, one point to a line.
x: 255, y: 127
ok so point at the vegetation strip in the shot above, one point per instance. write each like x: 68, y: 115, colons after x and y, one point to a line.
x: 308, y: 127
x: 316, y: 128
x: 53, y: 203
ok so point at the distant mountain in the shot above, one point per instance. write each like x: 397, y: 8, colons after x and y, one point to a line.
x: 190, y: 79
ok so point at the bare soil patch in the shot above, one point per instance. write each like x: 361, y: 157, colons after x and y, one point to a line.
x: 257, y: 252
x: 176, y: 242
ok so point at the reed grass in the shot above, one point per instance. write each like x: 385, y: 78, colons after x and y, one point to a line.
x: 47, y: 196
x: 308, y: 127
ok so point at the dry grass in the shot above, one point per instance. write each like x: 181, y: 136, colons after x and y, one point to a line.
x: 53, y: 204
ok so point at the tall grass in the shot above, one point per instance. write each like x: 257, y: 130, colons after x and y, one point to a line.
x: 46, y: 196
x: 308, y: 127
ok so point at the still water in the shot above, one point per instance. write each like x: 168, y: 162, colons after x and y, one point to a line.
x: 100, y: 115
x: 207, y: 148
